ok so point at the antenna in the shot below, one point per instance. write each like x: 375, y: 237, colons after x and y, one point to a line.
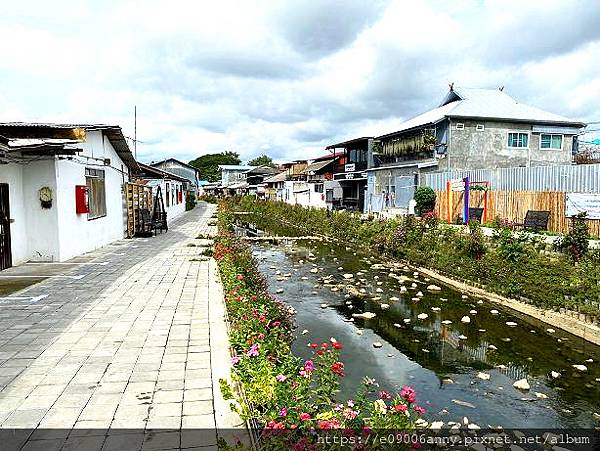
x: 135, y: 131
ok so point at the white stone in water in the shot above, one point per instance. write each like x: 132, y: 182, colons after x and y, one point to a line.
x: 379, y: 283
x: 279, y: 290
x: 314, y: 270
x: 310, y: 254
x: 365, y: 315
x: 590, y: 361
x: 416, y: 274
x: 406, y: 320
x: 465, y: 319
x: 443, y: 299
x: 419, y: 294
x: 305, y: 331
x: 426, y: 351
x: 482, y: 330
x: 377, y: 344
x: 394, y: 299
x: 324, y: 306
x: 427, y: 279
x: 385, y: 306
x: 413, y: 285
x: 473, y: 312
x: 303, y: 278
x: 501, y: 367
x: 362, y: 290
x: 447, y: 381
x: 550, y: 331
x: 494, y: 312
x: 511, y: 324
x: 465, y: 404
x: 403, y: 289
x: 464, y: 296
x: 277, y: 273
x: 314, y: 293
x: 334, y: 289
x: 436, y: 309
x: 376, y: 298
x: 422, y: 315
x: 397, y: 325
x: 374, y: 277
x: 348, y: 276
x: 580, y: 367
x: 506, y: 340
x: 540, y: 395
x: 287, y: 275
x: 554, y: 374
x: 415, y: 299
x: 433, y: 288
x: 359, y: 332
x: 379, y: 290
x: 522, y: 384
x: 462, y: 337
x: 390, y: 355
x: 446, y: 321
x: 483, y: 376
x: 473, y: 427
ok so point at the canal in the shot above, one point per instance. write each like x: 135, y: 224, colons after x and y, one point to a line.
x: 421, y: 338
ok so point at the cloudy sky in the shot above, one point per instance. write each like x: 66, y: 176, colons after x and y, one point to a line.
x: 286, y: 77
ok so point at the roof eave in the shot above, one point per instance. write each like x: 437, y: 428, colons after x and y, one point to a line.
x: 527, y: 121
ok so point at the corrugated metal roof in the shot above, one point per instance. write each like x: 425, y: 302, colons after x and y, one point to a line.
x: 281, y: 177
x: 235, y: 167
x: 317, y: 166
x: 484, y: 104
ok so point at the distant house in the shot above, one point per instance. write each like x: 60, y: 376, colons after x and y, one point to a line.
x: 60, y: 189
x: 275, y: 187
x: 470, y: 129
x: 171, y: 188
x: 255, y: 178
x: 233, y: 178
x: 177, y: 167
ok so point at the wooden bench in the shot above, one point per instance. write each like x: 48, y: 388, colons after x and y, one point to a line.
x: 475, y: 214
x: 148, y: 225
x: 535, y: 220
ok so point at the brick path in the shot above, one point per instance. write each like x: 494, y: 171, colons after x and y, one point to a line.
x: 126, y: 346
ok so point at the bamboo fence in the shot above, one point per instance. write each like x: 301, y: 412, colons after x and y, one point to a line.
x: 513, y: 205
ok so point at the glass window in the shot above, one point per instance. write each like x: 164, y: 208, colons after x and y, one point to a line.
x: 94, y: 179
x: 318, y: 187
x: 518, y: 140
x: 551, y: 141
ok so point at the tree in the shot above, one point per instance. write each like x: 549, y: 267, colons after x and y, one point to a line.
x: 425, y: 198
x: 208, y: 164
x: 263, y: 160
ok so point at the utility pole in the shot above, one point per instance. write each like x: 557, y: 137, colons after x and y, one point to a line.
x: 135, y: 131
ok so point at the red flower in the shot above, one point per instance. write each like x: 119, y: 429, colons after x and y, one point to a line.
x: 240, y: 277
x: 338, y: 368
x: 384, y: 395
x: 305, y: 416
x: 313, y: 345
x: 324, y: 345
x: 336, y: 345
x: 320, y: 353
x: 400, y: 408
x: 253, y: 297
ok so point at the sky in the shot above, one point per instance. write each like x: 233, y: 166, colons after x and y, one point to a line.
x: 286, y: 78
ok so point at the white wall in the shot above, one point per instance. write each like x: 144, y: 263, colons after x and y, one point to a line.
x: 174, y: 209
x: 77, y: 233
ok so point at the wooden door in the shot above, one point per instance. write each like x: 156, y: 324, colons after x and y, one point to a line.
x: 5, y: 250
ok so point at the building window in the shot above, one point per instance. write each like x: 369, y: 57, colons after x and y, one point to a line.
x: 480, y: 127
x: 460, y: 126
x: 168, y: 194
x: 518, y: 140
x: 551, y: 141
x: 318, y: 187
x: 94, y: 179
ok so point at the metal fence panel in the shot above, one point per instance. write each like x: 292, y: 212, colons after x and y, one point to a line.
x: 584, y: 178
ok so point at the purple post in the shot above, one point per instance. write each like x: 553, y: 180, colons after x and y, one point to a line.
x: 466, y: 206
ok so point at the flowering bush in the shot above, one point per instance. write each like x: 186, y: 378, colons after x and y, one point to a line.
x: 283, y: 392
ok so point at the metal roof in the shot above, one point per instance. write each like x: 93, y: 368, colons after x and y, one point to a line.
x: 317, y: 166
x: 483, y: 104
x: 347, y: 143
x: 112, y: 132
x: 160, y: 173
x: 235, y: 167
x: 281, y: 177
x: 176, y: 161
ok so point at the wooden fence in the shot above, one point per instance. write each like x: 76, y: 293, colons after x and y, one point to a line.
x: 513, y: 205
x: 137, y: 196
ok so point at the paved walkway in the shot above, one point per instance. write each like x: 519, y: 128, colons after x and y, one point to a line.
x: 125, y: 344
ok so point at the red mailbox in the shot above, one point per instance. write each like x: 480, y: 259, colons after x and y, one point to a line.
x: 82, y: 199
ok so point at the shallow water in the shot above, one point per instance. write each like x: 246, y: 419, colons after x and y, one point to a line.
x: 422, y: 353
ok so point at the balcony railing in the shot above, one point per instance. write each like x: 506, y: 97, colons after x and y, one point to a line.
x: 350, y: 167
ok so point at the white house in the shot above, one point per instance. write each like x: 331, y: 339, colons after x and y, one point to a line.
x: 171, y: 188
x: 60, y: 190
x: 189, y: 173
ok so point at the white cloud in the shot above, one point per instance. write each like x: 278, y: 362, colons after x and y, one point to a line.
x: 285, y: 78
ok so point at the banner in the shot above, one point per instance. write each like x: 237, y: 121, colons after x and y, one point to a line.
x: 583, y: 202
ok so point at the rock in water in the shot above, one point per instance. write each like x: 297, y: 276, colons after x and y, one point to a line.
x: 419, y: 294
x: 540, y: 395
x: 422, y: 315
x: 385, y: 306
x: 314, y: 270
x: 365, y: 315
x: 403, y: 289
x: 465, y: 319
x: 377, y: 344
x: 394, y: 299
x: 483, y: 376
x: 511, y: 324
x: 463, y: 403
x: 305, y: 331
x: 324, y: 306
x: 554, y: 374
x: 522, y: 384
x: 494, y: 312
x: 446, y: 321
x: 580, y: 367
x: 473, y: 312
x: 434, y: 288
x: 492, y: 348
x: 348, y: 276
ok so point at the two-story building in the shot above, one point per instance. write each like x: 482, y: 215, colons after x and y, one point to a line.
x: 471, y: 129
x: 233, y: 178
x: 177, y: 167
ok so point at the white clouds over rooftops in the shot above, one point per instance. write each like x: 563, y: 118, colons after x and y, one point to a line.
x: 289, y: 77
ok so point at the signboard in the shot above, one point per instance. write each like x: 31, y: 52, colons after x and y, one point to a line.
x: 583, y: 202
x: 457, y: 185
x: 351, y: 167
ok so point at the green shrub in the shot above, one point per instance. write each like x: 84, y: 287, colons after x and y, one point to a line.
x: 425, y: 199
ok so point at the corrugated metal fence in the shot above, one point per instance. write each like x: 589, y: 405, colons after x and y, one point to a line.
x: 583, y: 178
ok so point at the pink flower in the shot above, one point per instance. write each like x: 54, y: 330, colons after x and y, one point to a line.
x: 235, y: 360
x: 350, y: 414
x: 309, y: 365
x: 400, y: 408
x: 240, y: 277
x: 305, y: 416
x: 276, y: 323
x: 350, y: 403
x: 384, y: 395
x: 408, y: 393
x: 420, y: 410
x: 253, y: 351
x: 281, y: 378
x: 283, y: 412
